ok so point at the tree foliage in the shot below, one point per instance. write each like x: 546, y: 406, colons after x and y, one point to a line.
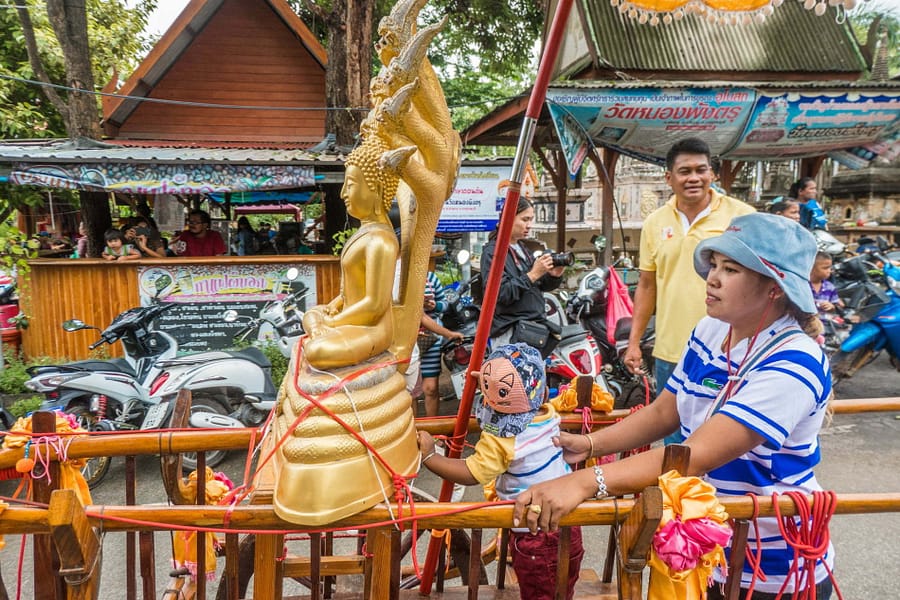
x: 886, y: 20
x: 116, y: 44
x: 485, y: 55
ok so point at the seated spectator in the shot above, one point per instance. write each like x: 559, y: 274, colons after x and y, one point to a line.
x: 116, y: 248
x: 142, y: 233
x: 81, y: 245
x: 199, y: 239
x: 247, y: 240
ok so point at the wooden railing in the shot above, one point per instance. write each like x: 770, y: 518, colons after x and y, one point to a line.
x: 96, y: 290
x: 66, y: 550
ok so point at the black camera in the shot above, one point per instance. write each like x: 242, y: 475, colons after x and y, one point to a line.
x: 562, y: 259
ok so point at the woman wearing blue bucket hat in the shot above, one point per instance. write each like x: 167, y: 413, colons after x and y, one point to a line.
x: 749, y: 395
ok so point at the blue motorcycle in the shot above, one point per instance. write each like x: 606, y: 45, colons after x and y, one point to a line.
x: 879, y: 321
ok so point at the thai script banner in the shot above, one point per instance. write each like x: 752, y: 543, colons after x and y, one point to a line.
x: 737, y: 123
x: 646, y: 122
x: 478, y: 197
x: 202, y: 293
x: 163, y: 178
x: 792, y: 125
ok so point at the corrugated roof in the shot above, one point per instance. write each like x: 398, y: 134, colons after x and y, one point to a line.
x: 65, y: 151
x: 805, y: 87
x: 89, y: 151
x: 791, y: 40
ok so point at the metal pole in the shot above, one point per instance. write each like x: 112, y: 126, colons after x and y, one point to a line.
x: 535, y: 103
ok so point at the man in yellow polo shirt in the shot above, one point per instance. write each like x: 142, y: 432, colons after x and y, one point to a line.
x: 668, y: 283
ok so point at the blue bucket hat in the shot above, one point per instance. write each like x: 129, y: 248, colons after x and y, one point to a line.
x: 772, y: 245
x: 529, y: 366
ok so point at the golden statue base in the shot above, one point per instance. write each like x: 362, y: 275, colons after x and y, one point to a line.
x: 324, y: 473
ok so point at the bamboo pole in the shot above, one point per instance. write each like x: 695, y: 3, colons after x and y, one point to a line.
x: 428, y: 515
x: 195, y: 440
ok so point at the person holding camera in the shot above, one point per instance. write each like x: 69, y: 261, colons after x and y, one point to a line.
x: 142, y: 234
x: 520, y: 315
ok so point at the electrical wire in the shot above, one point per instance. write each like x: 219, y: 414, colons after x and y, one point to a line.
x: 226, y: 106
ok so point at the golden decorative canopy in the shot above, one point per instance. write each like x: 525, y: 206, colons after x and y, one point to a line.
x: 655, y: 12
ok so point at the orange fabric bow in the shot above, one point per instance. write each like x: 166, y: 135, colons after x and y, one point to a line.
x: 567, y: 400
x: 688, y: 544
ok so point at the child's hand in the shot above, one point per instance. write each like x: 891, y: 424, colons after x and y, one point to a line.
x: 426, y: 442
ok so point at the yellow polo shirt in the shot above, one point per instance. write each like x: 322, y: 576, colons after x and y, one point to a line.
x: 668, y: 250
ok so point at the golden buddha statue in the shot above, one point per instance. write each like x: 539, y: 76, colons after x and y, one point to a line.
x: 344, y: 391
x: 358, y: 324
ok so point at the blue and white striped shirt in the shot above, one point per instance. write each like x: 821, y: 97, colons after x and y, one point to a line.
x: 782, y: 397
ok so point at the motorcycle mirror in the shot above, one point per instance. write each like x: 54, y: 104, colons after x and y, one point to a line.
x: 600, y: 243
x: 292, y: 274
x: 230, y: 316
x: 463, y: 256
x: 74, y: 325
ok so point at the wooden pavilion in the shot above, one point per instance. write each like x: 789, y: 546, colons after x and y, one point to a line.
x: 793, y: 51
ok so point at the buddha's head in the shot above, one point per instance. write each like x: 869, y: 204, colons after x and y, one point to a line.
x: 369, y: 188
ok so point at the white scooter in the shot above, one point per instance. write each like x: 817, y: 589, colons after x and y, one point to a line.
x: 229, y: 389
x: 280, y: 321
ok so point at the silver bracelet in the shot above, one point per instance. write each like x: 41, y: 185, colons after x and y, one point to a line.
x: 601, y: 483
x: 430, y: 454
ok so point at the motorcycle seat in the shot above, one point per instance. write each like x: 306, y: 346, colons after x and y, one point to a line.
x: 116, y: 365
x: 572, y: 331
x: 623, y: 329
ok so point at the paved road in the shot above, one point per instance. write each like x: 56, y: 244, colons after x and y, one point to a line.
x: 860, y: 453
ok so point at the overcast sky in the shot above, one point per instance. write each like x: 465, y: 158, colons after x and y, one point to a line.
x: 168, y: 10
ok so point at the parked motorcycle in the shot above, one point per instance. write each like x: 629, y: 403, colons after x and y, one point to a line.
x: 879, y: 324
x: 588, y: 307
x: 229, y: 389
x: 461, y: 314
x: 829, y: 244
x: 456, y: 354
x: 576, y: 354
x: 279, y: 321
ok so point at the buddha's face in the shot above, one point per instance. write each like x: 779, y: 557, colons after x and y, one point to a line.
x: 358, y: 197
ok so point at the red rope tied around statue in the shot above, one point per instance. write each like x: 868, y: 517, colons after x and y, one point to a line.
x: 808, y: 535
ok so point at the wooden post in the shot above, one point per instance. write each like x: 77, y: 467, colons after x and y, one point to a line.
x: 474, y: 564
x: 384, y: 568
x: 635, y: 537
x: 130, y: 500
x: 268, y: 566
x: 76, y: 544
x: 47, y: 584
x: 562, y: 563
x: 201, y: 535
x: 740, y: 531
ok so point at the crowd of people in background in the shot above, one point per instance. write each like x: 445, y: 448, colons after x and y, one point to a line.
x: 199, y: 238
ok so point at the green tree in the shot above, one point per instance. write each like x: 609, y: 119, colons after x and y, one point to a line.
x: 484, y: 55
x: 67, y: 46
x: 877, y: 26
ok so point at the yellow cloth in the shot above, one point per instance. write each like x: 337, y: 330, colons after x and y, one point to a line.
x: 70, y: 470
x: 690, y: 498
x: 668, y: 251
x: 567, y: 401
x: 185, y: 543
